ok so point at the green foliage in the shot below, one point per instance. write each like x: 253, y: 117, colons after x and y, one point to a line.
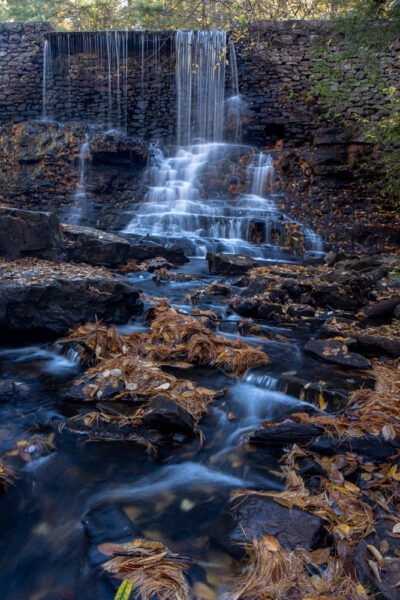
x: 163, y: 14
x: 364, y: 36
x: 124, y: 590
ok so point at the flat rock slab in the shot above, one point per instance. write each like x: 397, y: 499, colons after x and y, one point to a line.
x: 388, y: 587
x: 229, y: 264
x: 26, y: 233
x: 336, y: 353
x: 37, y: 294
x: 376, y: 345
x: 256, y: 516
x: 95, y: 247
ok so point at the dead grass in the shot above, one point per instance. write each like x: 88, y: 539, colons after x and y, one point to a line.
x: 276, y: 573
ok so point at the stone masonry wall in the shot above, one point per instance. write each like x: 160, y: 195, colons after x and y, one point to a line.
x: 21, y: 60
x: 274, y: 80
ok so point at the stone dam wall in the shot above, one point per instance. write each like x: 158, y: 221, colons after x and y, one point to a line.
x: 274, y: 68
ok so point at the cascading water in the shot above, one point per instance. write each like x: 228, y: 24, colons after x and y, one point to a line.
x: 80, y: 195
x: 45, y: 75
x: 198, y: 195
x: 200, y: 83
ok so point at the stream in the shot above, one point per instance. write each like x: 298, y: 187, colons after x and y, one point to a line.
x: 181, y: 496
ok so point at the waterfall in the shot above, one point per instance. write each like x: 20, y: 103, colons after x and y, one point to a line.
x: 102, y: 63
x: 45, y: 75
x: 197, y: 196
x: 200, y: 82
x: 77, y: 210
x: 234, y: 104
x: 262, y: 173
x: 83, y: 156
x: 234, y: 69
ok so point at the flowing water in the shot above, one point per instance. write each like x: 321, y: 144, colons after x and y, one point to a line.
x: 205, y: 195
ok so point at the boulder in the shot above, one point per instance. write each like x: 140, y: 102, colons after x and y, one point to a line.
x: 168, y: 416
x: 256, y: 516
x: 336, y: 352
x: 229, y: 264
x: 27, y: 233
x: 95, y: 247
x: 55, y: 297
x: 148, y: 251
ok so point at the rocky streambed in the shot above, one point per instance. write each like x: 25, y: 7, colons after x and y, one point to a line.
x: 233, y: 423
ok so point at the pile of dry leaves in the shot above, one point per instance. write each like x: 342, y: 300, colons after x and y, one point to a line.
x: 129, y: 367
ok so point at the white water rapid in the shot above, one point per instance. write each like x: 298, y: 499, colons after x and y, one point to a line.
x: 203, y: 195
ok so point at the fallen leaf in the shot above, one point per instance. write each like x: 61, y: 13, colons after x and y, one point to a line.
x: 271, y: 543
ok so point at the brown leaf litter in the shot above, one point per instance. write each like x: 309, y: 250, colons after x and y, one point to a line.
x: 369, y: 411
x: 128, y: 367
x: 151, y: 567
x: 173, y: 338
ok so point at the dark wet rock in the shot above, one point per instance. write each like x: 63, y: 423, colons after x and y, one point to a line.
x: 156, y: 263
x: 330, y: 296
x: 229, y: 264
x: 95, y: 247
x: 375, y: 448
x: 376, y: 345
x: 301, y: 310
x: 334, y: 257
x: 295, y: 289
x: 58, y: 302
x: 256, y: 516
x: 337, y: 353
x: 376, y: 275
x: 380, y: 311
x: 107, y: 524
x: 167, y: 416
x: 254, y: 288
x: 284, y: 433
x: 148, y: 250
x: 362, y: 264
x: 26, y: 233
x: 247, y: 308
x: 218, y: 289
x: 289, y: 432
x: 388, y: 587
x: 269, y: 311
x: 11, y: 390
x: 242, y: 282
